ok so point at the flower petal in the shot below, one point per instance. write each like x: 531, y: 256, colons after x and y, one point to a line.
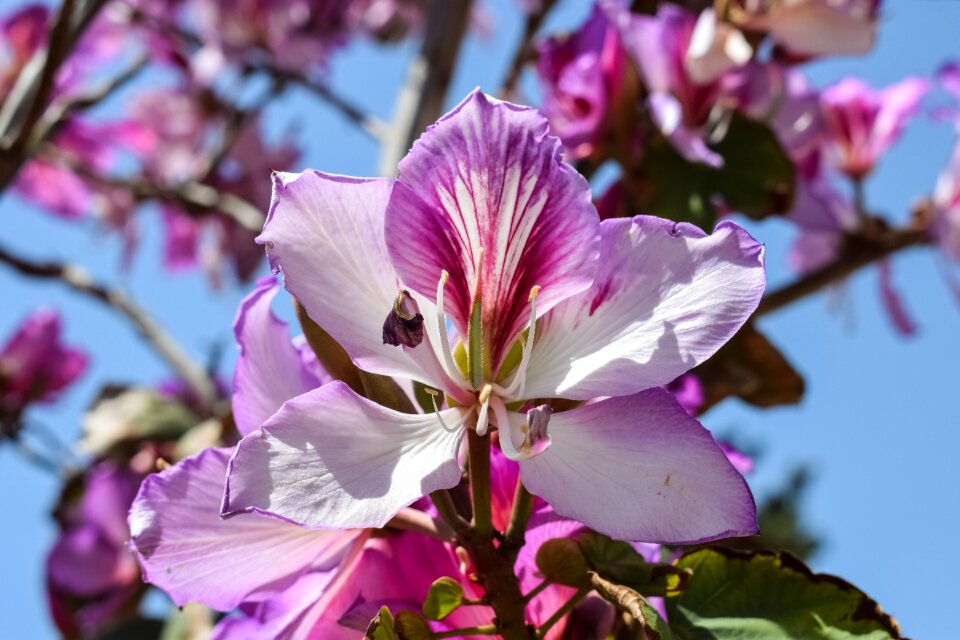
x: 332, y: 459
x: 666, y: 298
x: 640, y: 468
x: 819, y: 29
x: 325, y: 233
x: 270, y: 370
x: 193, y: 554
x: 485, y: 196
x: 276, y: 617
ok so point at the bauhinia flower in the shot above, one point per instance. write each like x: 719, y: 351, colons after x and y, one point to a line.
x: 35, y: 366
x: 91, y: 575
x: 863, y: 123
x: 525, y: 297
x: 685, y: 61
x: 581, y: 75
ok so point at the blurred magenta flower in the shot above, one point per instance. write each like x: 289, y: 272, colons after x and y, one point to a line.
x: 581, y: 75
x: 862, y: 123
x: 177, y: 153
x: 91, y: 576
x: 686, y: 62
x: 35, y: 366
x: 487, y: 224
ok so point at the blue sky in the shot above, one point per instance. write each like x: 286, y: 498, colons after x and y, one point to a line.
x: 877, y: 425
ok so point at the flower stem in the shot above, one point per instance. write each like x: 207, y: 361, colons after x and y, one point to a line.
x: 537, y: 590
x: 480, y: 485
x: 443, y: 501
x: 484, y: 630
x: 519, y: 517
x: 566, y: 608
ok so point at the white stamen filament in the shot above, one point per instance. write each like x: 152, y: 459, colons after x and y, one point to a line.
x: 516, y: 386
x: 506, y: 431
x: 447, y: 362
x: 433, y: 393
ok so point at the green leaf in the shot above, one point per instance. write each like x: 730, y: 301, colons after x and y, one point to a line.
x: 764, y: 595
x: 652, y: 626
x: 444, y: 597
x: 561, y: 562
x: 411, y: 626
x: 750, y: 367
x: 381, y: 627
x: 757, y: 178
x: 619, y: 563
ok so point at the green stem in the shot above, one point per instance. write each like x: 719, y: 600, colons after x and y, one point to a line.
x: 483, y: 630
x: 480, y: 484
x: 537, y: 590
x: 519, y: 517
x: 563, y: 610
x: 448, y: 511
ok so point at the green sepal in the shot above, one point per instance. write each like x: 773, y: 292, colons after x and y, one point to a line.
x: 382, y: 627
x: 561, y: 562
x: 410, y: 625
x: 444, y: 597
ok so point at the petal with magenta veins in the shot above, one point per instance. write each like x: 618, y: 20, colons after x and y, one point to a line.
x: 485, y: 196
x: 333, y: 459
x: 640, y: 468
x: 189, y: 551
x: 325, y: 234
x: 270, y: 370
x: 666, y: 298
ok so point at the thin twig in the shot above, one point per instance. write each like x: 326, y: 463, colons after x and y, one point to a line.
x: 196, y: 199
x: 448, y: 511
x: 525, y: 49
x: 370, y: 124
x: 29, y: 95
x: 564, y: 609
x: 420, y: 101
x: 58, y: 113
x: 858, y: 253
x: 161, y: 342
x: 519, y: 516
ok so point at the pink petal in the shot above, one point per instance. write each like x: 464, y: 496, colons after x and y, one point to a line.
x: 270, y: 370
x: 640, y: 468
x: 277, y: 616
x: 325, y: 233
x: 666, y: 298
x: 394, y: 568
x: 194, y: 555
x: 332, y: 459
x: 485, y: 196
x: 893, y: 302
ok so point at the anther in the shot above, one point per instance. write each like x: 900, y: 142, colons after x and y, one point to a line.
x: 404, y: 324
x: 484, y: 399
